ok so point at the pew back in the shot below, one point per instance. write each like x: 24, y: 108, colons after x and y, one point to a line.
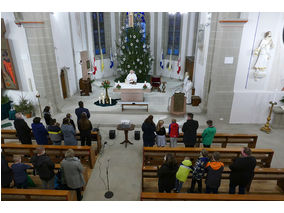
x: 155, y: 155
x: 56, y: 153
x: 8, y: 194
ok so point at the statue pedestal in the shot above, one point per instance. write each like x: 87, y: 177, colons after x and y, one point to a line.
x: 178, y: 104
x: 85, y: 87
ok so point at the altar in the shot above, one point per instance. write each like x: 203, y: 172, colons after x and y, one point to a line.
x: 132, y: 92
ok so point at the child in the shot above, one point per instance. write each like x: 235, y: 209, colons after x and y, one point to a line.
x: 214, y: 173
x: 161, y: 134
x: 208, y: 134
x: 198, y: 171
x: 174, y: 133
x: 54, y: 132
x: 182, y: 173
x: 68, y: 115
x: 19, y: 173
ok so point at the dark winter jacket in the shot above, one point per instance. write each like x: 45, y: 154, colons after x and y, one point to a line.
x: 199, y: 168
x: 167, y: 176
x: 23, y: 131
x: 214, y: 174
x: 47, y: 118
x: 79, y: 112
x: 189, y: 129
x: 162, y: 131
x: 44, y: 166
x: 73, y: 124
x: 55, y: 133
x: 6, y: 173
x: 148, y: 134
x: 19, y: 172
x: 40, y: 134
x: 242, y: 170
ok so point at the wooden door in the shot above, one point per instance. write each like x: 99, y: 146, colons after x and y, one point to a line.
x: 63, y: 84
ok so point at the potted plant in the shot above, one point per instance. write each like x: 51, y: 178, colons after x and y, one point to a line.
x: 25, y: 106
x: 106, y: 85
x: 5, y: 107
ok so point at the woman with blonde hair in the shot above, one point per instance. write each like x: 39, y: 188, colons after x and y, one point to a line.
x: 161, y: 134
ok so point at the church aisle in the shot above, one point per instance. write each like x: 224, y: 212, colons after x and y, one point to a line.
x: 125, y: 165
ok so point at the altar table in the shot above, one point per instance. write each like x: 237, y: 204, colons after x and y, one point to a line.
x: 132, y: 92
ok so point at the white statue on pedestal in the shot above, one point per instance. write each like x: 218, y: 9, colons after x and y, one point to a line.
x: 263, y: 56
x: 131, y: 77
x: 187, y: 88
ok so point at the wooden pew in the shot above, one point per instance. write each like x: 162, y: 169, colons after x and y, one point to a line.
x: 210, y: 197
x: 155, y: 155
x: 56, y: 153
x: 37, y: 195
x: 11, y: 134
x: 224, y: 139
x: 259, y: 174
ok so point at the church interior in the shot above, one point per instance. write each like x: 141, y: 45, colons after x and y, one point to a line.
x: 123, y: 67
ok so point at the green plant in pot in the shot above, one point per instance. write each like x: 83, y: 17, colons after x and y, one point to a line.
x: 25, y: 106
x: 282, y: 100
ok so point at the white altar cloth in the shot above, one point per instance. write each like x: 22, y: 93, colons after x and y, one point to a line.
x: 133, y: 86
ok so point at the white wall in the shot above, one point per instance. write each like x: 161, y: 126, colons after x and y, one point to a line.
x: 201, y: 56
x: 21, y: 58
x: 251, y: 98
x: 63, y: 48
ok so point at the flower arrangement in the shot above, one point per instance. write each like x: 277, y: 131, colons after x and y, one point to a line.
x: 106, y: 84
x: 145, y: 86
x: 118, y: 86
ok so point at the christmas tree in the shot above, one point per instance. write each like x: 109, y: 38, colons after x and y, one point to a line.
x: 133, y: 51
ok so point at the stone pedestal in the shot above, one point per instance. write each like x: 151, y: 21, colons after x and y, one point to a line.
x: 278, y: 118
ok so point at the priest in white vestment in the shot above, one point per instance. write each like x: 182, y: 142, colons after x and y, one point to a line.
x: 131, y: 77
x: 187, y: 88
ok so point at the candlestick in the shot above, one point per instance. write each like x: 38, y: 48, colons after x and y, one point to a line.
x: 103, y: 99
x: 99, y: 99
x: 110, y: 101
x: 266, y: 127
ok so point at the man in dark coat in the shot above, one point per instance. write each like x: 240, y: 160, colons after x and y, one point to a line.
x: 6, y: 173
x: 80, y: 110
x: 242, y: 171
x: 44, y: 168
x: 189, y: 129
x: 22, y: 129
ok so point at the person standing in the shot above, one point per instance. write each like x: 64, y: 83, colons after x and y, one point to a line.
x: 189, y: 129
x: 149, y: 128
x: 182, y: 174
x: 68, y: 133
x: 80, y: 110
x: 208, y: 134
x: 20, y: 175
x: 242, y: 171
x: 6, y: 173
x: 40, y: 132
x: 167, y: 174
x: 55, y: 133
x: 47, y: 115
x: 214, y: 170
x: 161, y: 134
x: 22, y: 129
x: 72, y: 171
x: 85, y: 127
x: 174, y: 133
x: 68, y: 115
x: 44, y: 167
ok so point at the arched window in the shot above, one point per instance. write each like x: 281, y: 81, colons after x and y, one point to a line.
x: 174, y: 27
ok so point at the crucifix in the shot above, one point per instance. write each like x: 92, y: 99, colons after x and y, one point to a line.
x: 130, y: 19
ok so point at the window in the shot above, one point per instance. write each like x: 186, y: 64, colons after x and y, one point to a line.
x: 99, y: 32
x: 174, y: 34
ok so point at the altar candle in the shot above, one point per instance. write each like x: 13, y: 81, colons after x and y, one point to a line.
x: 109, y: 100
x: 145, y: 82
x: 103, y: 99
x: 99, y: 99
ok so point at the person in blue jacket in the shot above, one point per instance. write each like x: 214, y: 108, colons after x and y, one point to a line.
x: 19, y: 172
x: 40, y: 132
x: 80, y: 110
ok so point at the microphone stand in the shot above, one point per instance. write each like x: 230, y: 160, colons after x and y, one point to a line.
x: 108, y: 194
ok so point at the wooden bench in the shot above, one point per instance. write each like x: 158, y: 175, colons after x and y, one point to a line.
x: 8, y: 194
x: 210, y: 197
x: 134, y: 104
x: 11, y: 134
x: 155, y: 155
x: 259, y: 174
x: 56, y: 153
x: 224, y: 139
